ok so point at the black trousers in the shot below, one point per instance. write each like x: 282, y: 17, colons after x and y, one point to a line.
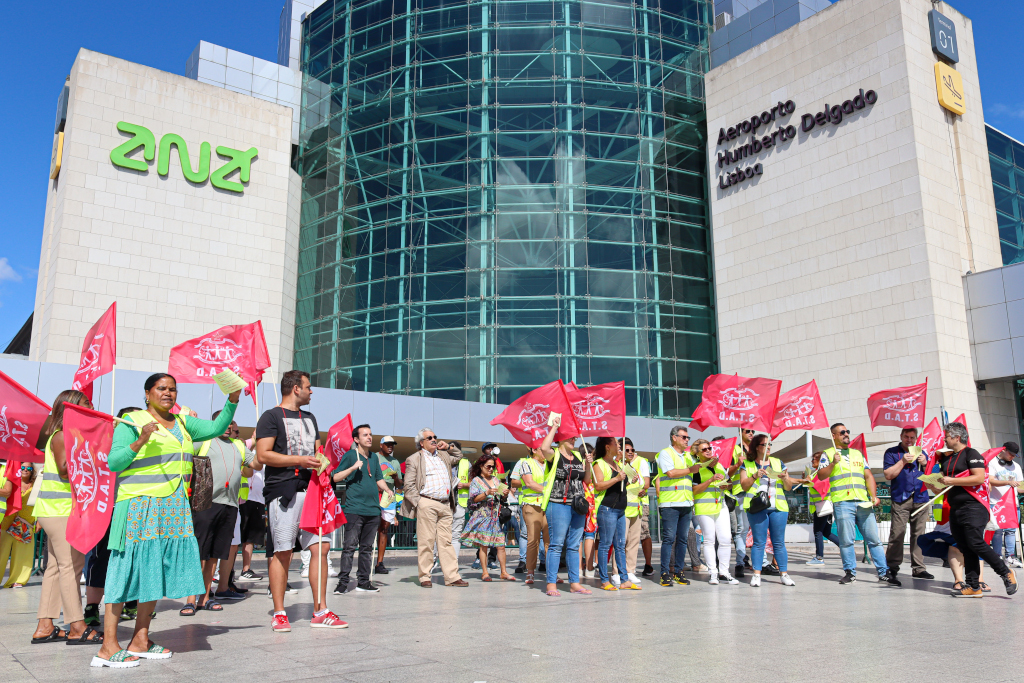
x: 967, y: 525
x: 360, y: 531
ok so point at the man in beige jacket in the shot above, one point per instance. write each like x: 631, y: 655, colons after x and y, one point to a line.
x: 430, y: 500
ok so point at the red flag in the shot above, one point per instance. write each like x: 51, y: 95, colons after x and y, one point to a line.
x: 801, y: 409
x: 902, y: 407
x: 88, y: 435
x: 22, y: 415
x: 991, y: 453
x: 241, y: 348
x: 734, y: 401
x: 859, y: 444
x: 723, y: 450
x: 526, y: 418
x: 99, y: 351
x: 321, y: 509
x: 1005, y: 511
x: 339, y: 440
x: 822, y: 486
x: 12, y: 473
x: 931, y: 441
x: 600, y: 410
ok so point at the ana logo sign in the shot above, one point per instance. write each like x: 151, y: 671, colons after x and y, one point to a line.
x: 533, y: 415
x: 217, y: 353
x: 13, y: 430
x: 88, y: 480
x: 142, y: 137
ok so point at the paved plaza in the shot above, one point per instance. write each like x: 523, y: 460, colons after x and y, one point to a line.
x: 817, y: 631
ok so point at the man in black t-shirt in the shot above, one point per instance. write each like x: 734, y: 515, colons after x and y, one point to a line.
x: 287, y: 440
x: 967, y: 515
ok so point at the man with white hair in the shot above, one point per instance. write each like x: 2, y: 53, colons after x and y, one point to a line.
x: 430, y: 500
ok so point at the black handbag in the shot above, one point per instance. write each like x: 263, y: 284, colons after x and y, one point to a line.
x: 504, y: 514
x: 759, y: 502
x: 201, y: 484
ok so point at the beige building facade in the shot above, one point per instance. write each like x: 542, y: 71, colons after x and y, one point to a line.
x: 181, y: 257
x: 840, y: 254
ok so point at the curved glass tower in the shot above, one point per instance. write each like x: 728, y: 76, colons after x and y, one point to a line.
x: 498, y: 194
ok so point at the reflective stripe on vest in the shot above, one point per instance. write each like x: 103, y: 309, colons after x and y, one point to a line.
x: 54, y: 499
x: 550, y: 474
x: 847, y: 480
x: 463, y: 495
x: 529, y: 496
x: 781, y: 504
x: 160, y: 465
x: 3, y: 501
x: 708, y: 501
x: 243, y: 488
x: 634, y: 506
x: 678, y: 490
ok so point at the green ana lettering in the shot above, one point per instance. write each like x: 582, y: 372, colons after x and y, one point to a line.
x: 142, y: 137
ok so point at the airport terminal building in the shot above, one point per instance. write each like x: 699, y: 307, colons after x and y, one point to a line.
x: 434, y: 207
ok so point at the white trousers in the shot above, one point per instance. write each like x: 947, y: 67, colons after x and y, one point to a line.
x: 716, y: 527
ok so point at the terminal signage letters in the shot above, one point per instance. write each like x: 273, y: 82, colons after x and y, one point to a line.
x: 943, y: 36
x: 238, y: 160
x: 831, y: 114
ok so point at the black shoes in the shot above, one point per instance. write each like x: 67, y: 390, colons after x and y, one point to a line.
x: 1010, y: 581
x: 520, y: 568
x: 923, y: 575
x: 848, y: 578
x: 666, y: 580
x: 381, y: 569
x: 648, y: 570
x: 366, y: 588
x: 770, y: 570
x: 738, y: 573
x: 680, y: 579
x: 341, y: 588
x: 250, y: 575
x: 890, y: 578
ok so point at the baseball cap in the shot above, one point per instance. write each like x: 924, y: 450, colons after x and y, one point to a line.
x: 488, y: 444
x: 388, y: 439
x: 1012, y: 447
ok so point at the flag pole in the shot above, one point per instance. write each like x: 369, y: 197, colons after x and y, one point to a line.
x: 113, y: 373
x: 320, y: 560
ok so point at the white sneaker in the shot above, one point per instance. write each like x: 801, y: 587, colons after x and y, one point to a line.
x: 305, y: 573
x: 755, y: 581
x: 786, y: 581
x: 1014, y: 562
x: 616, y: 581
x: 633, y: 579
x: 729, y: 577
x: 713, y: 580
x: 216, y: 575
x: 331, y: 571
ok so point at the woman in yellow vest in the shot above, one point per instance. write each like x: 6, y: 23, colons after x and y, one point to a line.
x: 531, y: 491
x: 18, y: 544
x: 765, y: 476
x: 566, y: 473
x: 610, y: 482
x: 154, y: 552
x: 709, y: 486
x: 64, y: 563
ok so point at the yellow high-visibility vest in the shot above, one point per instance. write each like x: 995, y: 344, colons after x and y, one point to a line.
x: 528, y: 496
x: 675, y: 490
x: 161, y: 465
x: 847, y: 479
x: 709, y: 501
x: 54, y: 499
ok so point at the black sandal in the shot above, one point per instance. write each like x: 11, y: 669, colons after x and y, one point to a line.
x: 212, y: 605
x: 54, y: 636
x: 189, y: 610
x: 86, y: 638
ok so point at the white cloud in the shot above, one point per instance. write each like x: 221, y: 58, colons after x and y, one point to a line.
x: 8, y: 273
x: 1013, y: 111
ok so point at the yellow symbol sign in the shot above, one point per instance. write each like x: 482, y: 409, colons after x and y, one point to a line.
x: 950, y: 87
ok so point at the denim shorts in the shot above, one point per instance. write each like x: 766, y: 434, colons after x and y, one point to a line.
x: 589, y: 534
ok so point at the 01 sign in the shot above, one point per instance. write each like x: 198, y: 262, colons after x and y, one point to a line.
x: 238, y: 160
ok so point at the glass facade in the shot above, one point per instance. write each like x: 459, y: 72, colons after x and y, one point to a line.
x: 1006, y: 157
x: 496, y: 195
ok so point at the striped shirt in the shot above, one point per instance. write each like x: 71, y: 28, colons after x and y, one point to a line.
x: 437, y: 481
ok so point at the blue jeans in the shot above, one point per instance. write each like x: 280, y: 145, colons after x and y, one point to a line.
x: 740, y: 540
x: 675, y: 527
x: 849, y: 517
x: 770, y: 521
x: 612, y: 526
x: 1007, y: 538
x: 565, y: 530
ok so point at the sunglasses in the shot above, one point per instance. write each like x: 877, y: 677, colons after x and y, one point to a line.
x: 430, y: 438
x: 684, y: 437
x: 748, y: 431
x: 705, y: 449
x: 844, y: 432
x: 630, y: 450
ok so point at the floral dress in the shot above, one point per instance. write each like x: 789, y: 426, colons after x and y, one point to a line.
x: 590, y: 526
x: 483, y: 529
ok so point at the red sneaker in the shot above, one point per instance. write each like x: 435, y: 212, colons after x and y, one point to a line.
x: 327, y: 620
x: 280, y: 623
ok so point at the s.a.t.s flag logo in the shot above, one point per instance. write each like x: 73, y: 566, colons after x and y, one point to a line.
x: 900, y: 407
x: 99, y: 351
x: 240, y: 348
x: 87, y: 438
x: 801, y: 409
x: 526, y: 418
x: 734, y: 401
x: 599, y: 410
x: 22, y: 415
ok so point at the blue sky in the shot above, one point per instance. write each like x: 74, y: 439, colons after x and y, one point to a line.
x: 37, y: 48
